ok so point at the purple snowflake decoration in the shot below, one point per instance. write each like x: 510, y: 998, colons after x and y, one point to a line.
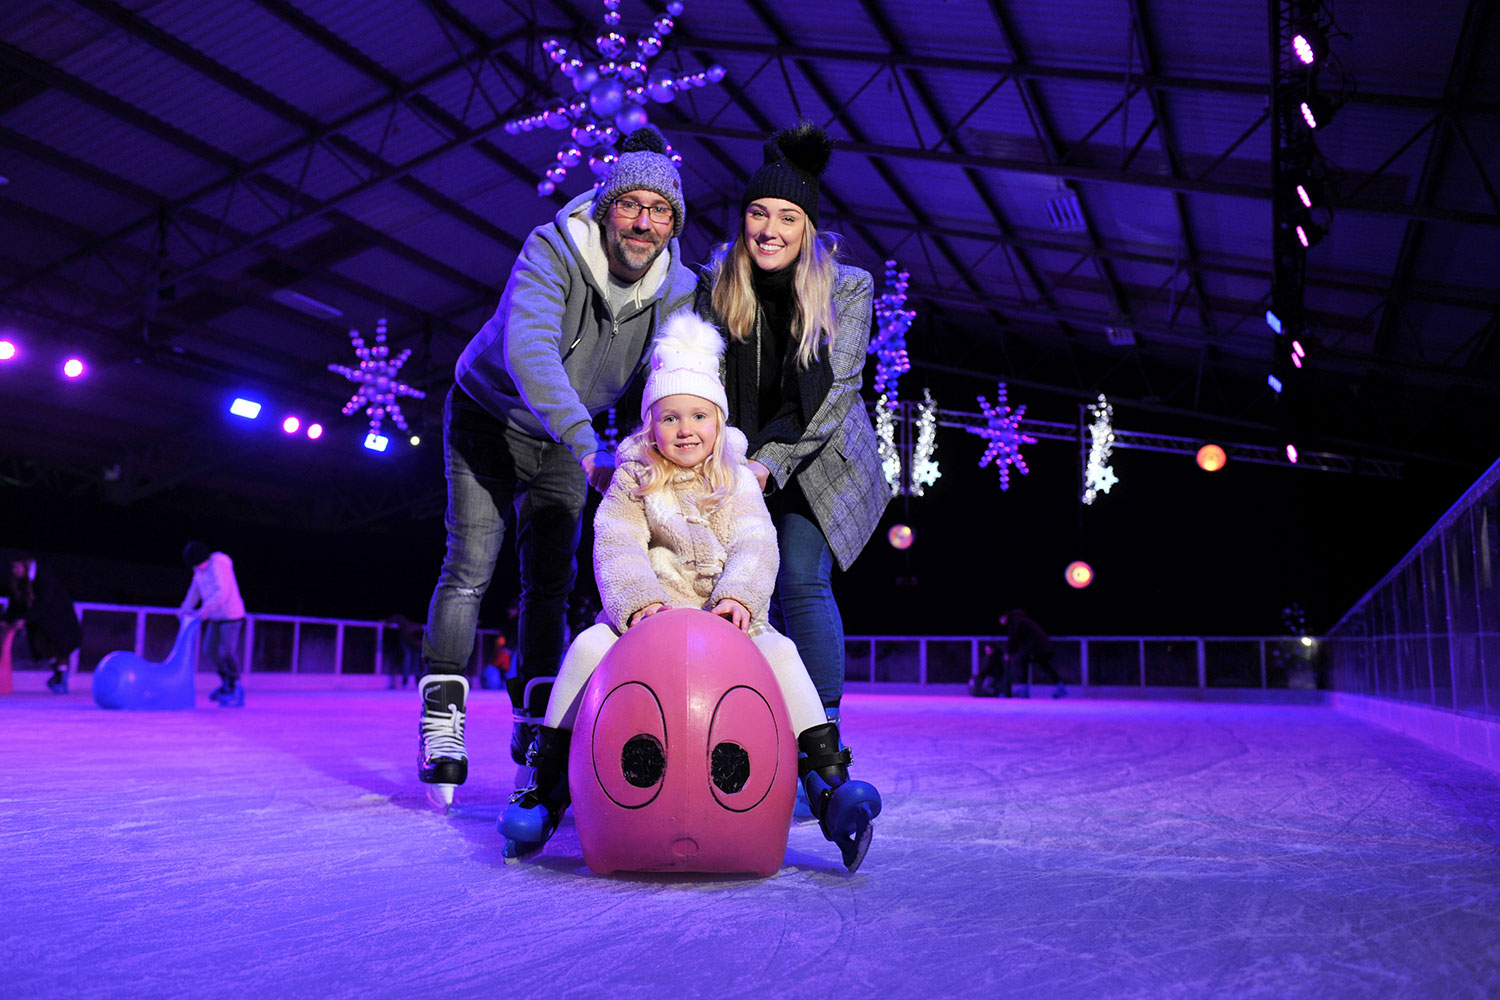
x: 1005, y: 438
x: 892, y: 321
x: 378, y: 380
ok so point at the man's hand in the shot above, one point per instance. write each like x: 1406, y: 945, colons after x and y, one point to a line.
x: 599, y: 467
x: 762, y: 476
x: 736, y: 613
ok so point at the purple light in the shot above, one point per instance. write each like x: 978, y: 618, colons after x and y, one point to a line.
x: 1307, y: 115
x: 376, y: 442
x: 1274, y: 383
x: 1304, y: 49
x: 1296, y: 361
x: 7, y: 350
x: 1302, y: 237
x: 1303, y: 196
x: 72, y: 368
x: 247, y: 408
x: 1297, y: 349
x: 1291, y: 453
x: 291, y: 425
x: 1273, y: 321
x: 314, y: 431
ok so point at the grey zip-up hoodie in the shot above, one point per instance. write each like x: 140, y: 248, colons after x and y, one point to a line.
x: 554, y: 355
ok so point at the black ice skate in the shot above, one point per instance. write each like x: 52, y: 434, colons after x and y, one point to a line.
x: 535, y: 811
x: 845, y: 809
x: 58, y: 682
x: 442, y: 761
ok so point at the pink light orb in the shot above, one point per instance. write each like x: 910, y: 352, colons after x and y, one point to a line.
x: 73, y: 368
x: 7, y: 350
x: 1079, y: 574
x: 901, y: 536
x: 314, y: 431
x: 291, y: 425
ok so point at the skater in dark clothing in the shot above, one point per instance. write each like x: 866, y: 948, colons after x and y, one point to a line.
x: 40, y: 603
x: 991, y: 680
x: 1028, y: 647
x: 404, y: 647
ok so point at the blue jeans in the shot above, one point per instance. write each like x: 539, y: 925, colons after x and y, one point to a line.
x: 803, y: 607
x: 501, y: 480
x: 221, y: 637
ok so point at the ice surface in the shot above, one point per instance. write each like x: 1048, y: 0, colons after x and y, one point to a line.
x: 1028, y: 849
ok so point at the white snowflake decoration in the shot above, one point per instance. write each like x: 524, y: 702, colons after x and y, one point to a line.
x: 1098, y: 474
x: 924, y: 468
x: 378, y: 385
x: 885, y: 443
x: 1003, y: 431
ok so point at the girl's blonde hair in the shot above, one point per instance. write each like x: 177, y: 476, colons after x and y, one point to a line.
x: 813, y: 310
x: 715, y: 475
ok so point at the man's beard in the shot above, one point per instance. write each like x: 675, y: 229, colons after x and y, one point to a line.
x: 632, y: 257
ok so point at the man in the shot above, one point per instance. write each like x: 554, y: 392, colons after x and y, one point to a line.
x: 570, y: 334
x: 215, y: 596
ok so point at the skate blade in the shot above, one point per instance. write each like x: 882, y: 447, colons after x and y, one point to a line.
x: 440, y: 797
x: 516, y: 851
x: 855, y: 848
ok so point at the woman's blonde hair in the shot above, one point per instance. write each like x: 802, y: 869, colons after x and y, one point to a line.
x: 813, y: 310
x: 715, y: 475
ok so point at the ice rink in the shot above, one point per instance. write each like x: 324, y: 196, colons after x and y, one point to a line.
x: 1028, y: 849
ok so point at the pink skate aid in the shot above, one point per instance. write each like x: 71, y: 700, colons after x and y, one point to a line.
x: 683, y: 755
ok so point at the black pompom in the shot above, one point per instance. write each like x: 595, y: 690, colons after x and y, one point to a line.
x: 645, y: 139
x: 804, y: 145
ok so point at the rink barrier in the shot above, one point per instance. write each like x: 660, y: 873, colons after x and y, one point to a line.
x: 309, y: 653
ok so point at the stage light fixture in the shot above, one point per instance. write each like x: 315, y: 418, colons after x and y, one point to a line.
x: 7, y: 350
x: 1310, y: 45
x: 415, y: 440
x: 247, y: 408
x: 291, y: 425
x: 1310, y: 234
x: 1291, y: 453
x: 1079, y: 574
x: 1316, y: 111
x: 376, y: 442
x: 314, y: 431
x: 1211, y: 458
x: 1274, y: 383
x: 72, y: 368
x: 1273, y: 321
x: 1297, y: 350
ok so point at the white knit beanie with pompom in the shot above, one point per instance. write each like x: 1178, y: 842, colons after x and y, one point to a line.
x: 685, y: 359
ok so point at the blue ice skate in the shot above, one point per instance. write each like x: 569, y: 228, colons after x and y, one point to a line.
x: 534, y: 812
x: 845, y: 809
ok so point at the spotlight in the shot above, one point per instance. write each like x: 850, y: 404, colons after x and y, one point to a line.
x: 1211, y: 458
x: 247, y: 408
x: 1307, y: 640
x: 376, y: 442
x: 1309, y: 45
x: 7, y: 350
x: 1316, y: 111
x: 1274, y: 383
x: 1309, y: 192
x: 1273, y: 321
x: 1291, y: 453
x: 72, y: 368
x: 1310, y: 234
x: 415, y: 440
x: 314, y: 431
x: 1079, y: 574
x: 901, y: 536
x: 291, y: 425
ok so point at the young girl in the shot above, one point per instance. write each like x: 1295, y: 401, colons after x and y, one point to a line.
x: 683, y: 525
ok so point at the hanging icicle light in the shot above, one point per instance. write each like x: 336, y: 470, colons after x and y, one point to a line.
x: 1098, y: 474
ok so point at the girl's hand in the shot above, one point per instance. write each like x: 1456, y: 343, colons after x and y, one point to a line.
x: 762, y: 476
x: 645, y: 612
x: 736, y: 613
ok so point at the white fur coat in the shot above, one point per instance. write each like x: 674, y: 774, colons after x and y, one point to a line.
x: 661, y: 549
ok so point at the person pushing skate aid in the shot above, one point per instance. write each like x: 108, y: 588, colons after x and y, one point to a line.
x: 684, y: 525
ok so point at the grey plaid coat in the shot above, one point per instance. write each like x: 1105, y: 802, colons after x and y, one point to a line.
x: 835, y: 461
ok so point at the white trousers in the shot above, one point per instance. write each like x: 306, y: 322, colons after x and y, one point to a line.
x: 582, y: 659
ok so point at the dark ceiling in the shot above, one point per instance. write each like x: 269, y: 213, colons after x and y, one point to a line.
x: 182, y: 177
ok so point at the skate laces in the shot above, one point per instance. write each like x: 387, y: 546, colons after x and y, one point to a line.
x: 443, y: 733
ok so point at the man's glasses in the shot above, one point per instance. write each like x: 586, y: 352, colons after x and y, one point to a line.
x: 631, y: 210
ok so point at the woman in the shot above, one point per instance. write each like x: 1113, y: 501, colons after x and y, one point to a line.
x: 40, y: 603
x: 798, y: 326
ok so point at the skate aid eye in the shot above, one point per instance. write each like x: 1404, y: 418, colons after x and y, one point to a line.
x: 642, y: 761
x: 629, y: 749
x: 742, y: 763
x: 729, y: 767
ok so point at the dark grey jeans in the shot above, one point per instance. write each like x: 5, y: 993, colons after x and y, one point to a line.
x: 500, y: 480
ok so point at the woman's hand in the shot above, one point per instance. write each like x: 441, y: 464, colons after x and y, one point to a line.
x: 734, y: 612
x: 645, y: 612
x: 762, y: 476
